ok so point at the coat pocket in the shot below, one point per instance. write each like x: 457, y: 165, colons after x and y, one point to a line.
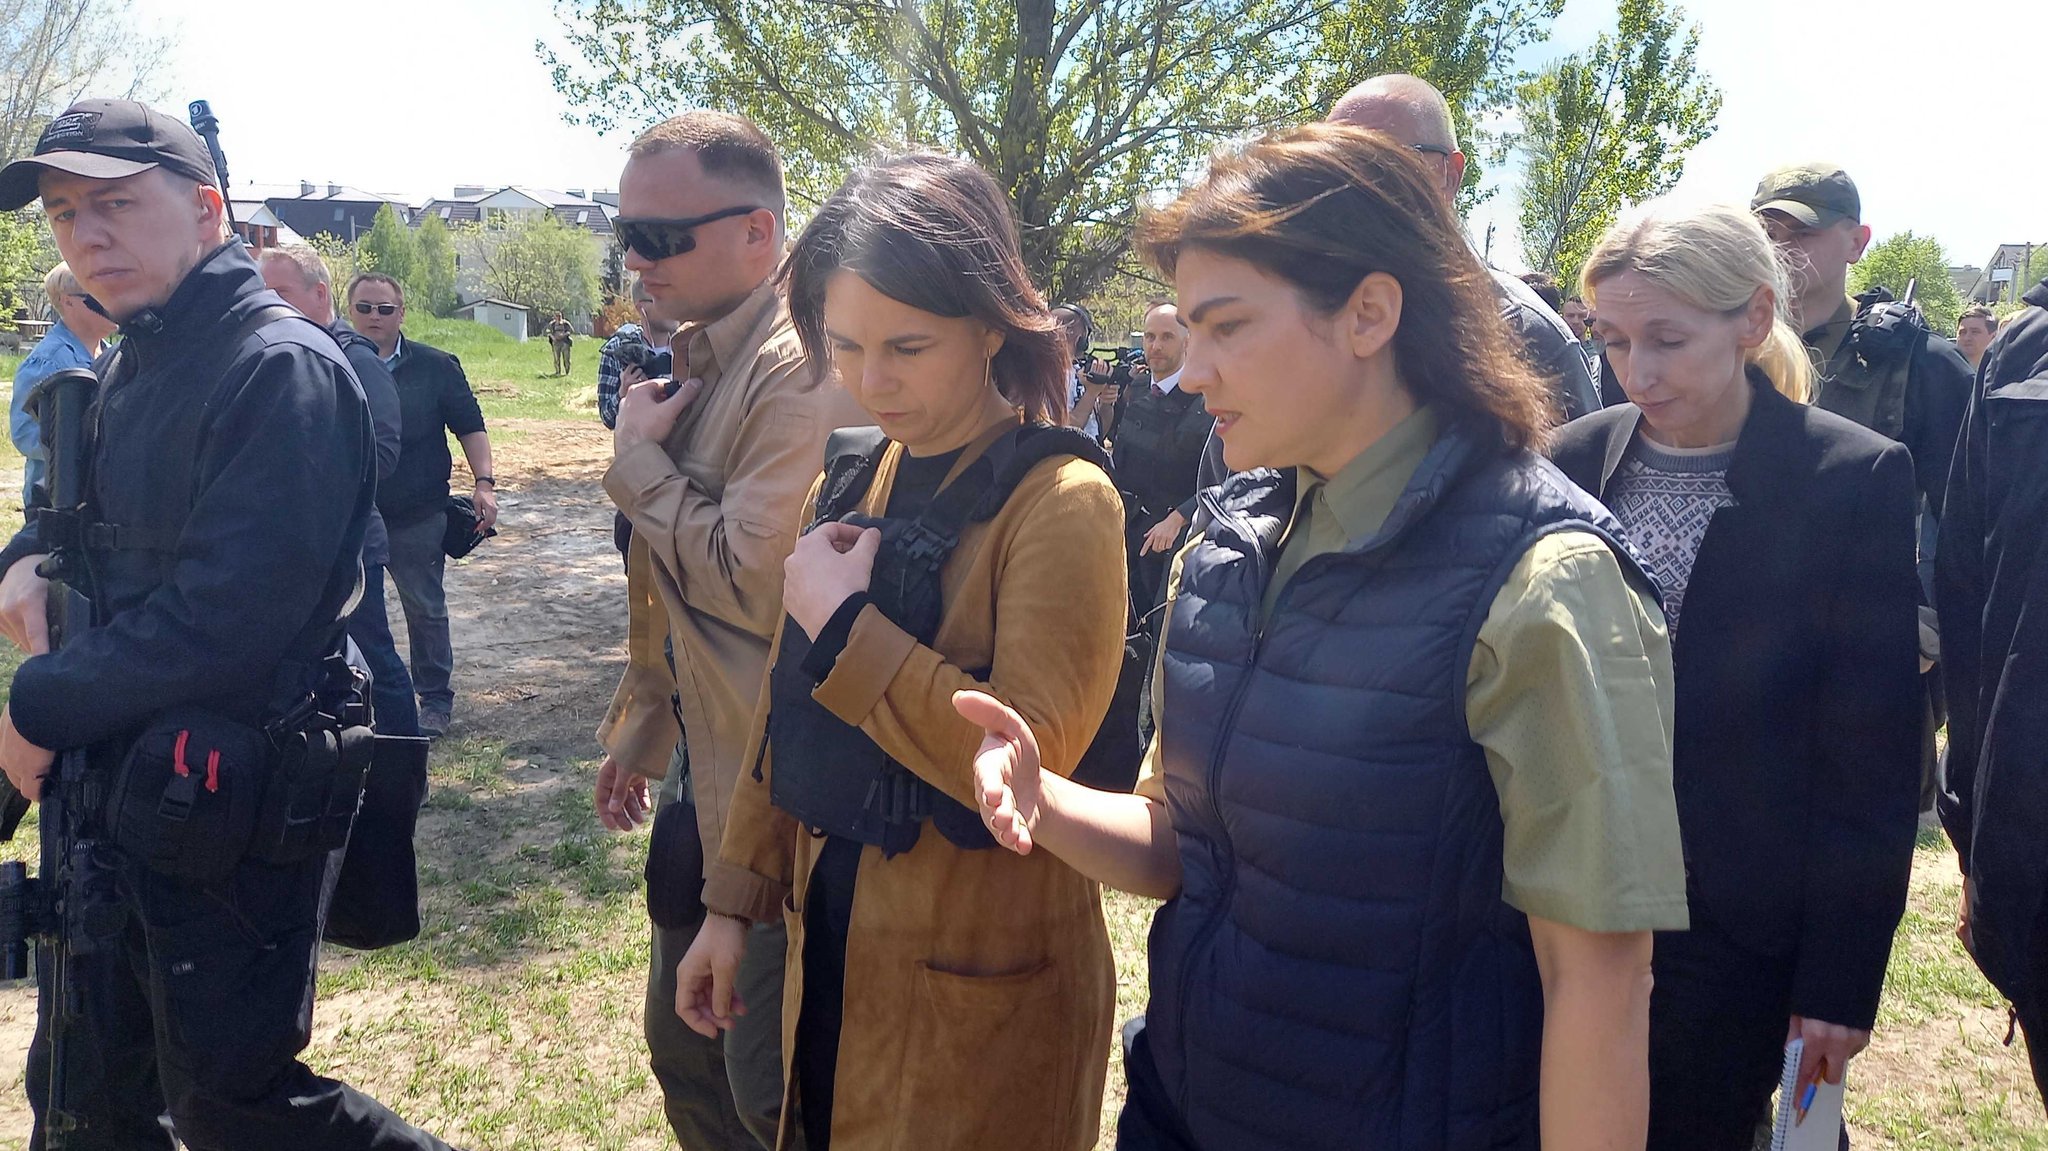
x: 991, y: 1061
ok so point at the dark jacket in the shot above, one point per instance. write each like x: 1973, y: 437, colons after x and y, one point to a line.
x: 1797, y: 753
x: 433, y: 398
x: 1547, y: 344
x: 1159, y: 445
x: 1992, y: 583
x: 251, y: 585
x: 1339, y: 969
x: 382, y: 393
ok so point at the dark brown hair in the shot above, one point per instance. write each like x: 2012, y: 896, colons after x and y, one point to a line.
x: 728, y: 147
x: 1545, y: 288
x: 1979, y: 312
x: 1323, y: 206
x: 936, y: 234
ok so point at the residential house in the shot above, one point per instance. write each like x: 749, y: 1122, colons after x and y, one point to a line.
x: 493, y: 210
x: 2005, y: 274
x: 336, y: 209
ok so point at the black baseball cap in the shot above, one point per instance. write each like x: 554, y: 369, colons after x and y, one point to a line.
x: 106, y: 140
x: 1816, y: 195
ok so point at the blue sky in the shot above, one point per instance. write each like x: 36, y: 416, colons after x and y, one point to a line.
x: 1922, y: 105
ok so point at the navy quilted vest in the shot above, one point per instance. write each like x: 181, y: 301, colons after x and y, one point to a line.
x: 1339, y: 970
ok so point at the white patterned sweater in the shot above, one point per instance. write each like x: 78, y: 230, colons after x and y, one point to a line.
x: 1664, y: 498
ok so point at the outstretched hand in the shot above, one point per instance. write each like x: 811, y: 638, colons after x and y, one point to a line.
x: 1005, y: 769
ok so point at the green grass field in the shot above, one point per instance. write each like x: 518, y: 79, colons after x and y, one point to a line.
x: 511, y: 378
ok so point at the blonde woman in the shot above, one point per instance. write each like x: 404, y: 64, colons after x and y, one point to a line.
x: 1782, y: 538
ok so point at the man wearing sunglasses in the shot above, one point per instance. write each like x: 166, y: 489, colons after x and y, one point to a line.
x: 1411, y: 110
x: 297, y: 273
x: 72, y: 342
x: 433, y: 399
x: 713, y: 476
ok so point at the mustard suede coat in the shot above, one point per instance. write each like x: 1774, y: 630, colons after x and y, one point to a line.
x: 980, y: 988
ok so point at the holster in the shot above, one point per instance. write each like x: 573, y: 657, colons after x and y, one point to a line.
x: 675, y: 868
x: 313, y: 792
x: 376, y: 901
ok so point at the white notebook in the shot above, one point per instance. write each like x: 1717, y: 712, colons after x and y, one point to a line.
x: 1822, y: 1128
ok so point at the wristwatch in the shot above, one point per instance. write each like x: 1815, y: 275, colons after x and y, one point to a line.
x: 487, y: 480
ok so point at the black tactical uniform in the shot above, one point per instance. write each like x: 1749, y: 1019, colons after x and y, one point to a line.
x: 238, y: 475
x: 1157, y: 453
x: 1994, y: 593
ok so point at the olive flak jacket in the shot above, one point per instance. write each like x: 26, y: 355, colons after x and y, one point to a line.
x: 980, y: 987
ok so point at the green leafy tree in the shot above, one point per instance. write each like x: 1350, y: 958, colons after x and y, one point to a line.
x: 1909, y: 259
x: 1609, y: 127
x: 54, y: 51
x: 543, y: 264
x: 388, y: 247
x: 27, y: 251
x: 1080, y: 109
x: 434, y: 266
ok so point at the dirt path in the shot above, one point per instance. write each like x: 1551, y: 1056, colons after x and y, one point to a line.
x: 538, y: 612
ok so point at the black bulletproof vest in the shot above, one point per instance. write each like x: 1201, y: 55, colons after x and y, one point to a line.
x: 1159, y: 442
x: 828, y: 773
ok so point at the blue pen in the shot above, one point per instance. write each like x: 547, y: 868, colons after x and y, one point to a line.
x: 1806, y: 1100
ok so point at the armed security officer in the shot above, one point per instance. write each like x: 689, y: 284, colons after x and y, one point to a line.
x: 1159, y: 439
x: 1877, y: 363
x: 232, y: 483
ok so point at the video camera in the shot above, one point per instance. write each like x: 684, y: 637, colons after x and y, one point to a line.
x: 1123, y: 362
x: 640, y: 354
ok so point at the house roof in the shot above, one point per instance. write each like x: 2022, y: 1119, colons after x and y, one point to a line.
x: 342, y: 193
x: 575, y: 211
x: 493, y: 300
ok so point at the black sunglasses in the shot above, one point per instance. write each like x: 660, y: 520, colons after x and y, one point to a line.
x: 1431, y: 149
x: 364, y: 309
x: 659, y: 240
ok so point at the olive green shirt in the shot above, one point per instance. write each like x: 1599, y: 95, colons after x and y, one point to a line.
x: 1569, y: 693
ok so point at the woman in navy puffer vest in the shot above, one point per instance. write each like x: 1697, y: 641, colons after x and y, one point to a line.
x: 1410, y: 802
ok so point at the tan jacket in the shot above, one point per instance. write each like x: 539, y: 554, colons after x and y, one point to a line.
x: 715, y: 511
x: 980, y: 988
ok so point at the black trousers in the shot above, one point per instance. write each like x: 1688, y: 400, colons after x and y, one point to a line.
x: 197, y: 1008
x: 1718, y: 1016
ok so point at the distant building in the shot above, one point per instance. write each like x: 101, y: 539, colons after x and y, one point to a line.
x: 494, y: 210
x: 260, y: 227
x: 309, y: 209
x: 2005, y: 274
x: 503, y: 315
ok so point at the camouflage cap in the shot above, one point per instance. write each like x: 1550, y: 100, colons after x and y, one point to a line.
x: 1816, y: 195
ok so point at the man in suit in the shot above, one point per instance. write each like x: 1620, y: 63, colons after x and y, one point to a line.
x: 434, y: 399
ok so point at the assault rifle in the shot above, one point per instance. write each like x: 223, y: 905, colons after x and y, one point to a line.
x: 65, y: 907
